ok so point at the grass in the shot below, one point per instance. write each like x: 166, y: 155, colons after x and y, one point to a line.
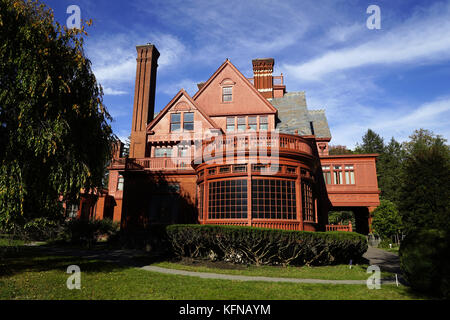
x: 337, y: 272
x: 31, y: 274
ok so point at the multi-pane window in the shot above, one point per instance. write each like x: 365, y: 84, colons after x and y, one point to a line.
x: 290, y: 169
x: 326, y: 174
x: 240, y: 168
x: 227, y: 199
x: 252, y: 123
x: 188, y: 121
x: 308, y: 207
x: 201, y: 189
x: 263, y: 123
x: 163, y: 152
x: 241, y: 123
x: 338, y: 175
x: 230, y: 124
x: 175, y: 122
x: 183, y: 152
x: 72, y: 211
x: 273, y: 199
x: 225, y: 169
x: 349, y: 174
x: 227, y: 94
x: 120, y: 183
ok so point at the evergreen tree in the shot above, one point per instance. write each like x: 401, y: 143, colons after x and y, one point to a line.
x: 371, y: 143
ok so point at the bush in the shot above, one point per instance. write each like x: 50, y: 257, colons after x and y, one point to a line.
x: 425, y: 261
x: 248, y: 245
x: 87, y: 232
x: 152, y: 238
x: 42, y: 229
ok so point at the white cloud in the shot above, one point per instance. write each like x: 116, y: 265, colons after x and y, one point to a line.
x: 398, y: 123
x: 172, y: 88
x: 420, y: 39
x: 114, y: 58
x: 113, y: 92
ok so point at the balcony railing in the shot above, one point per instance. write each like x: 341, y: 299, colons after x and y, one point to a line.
x: 257, y: 142
x: 158, y: 164
x: 340, y: 227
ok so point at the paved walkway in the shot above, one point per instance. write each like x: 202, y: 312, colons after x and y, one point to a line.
x: 208, y: 275
x: 387, y: 261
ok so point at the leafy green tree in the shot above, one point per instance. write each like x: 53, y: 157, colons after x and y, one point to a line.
x: 386, y: 220
x: 425, y: 187
x: 341, y: 217
x: 338, y: 150
x: 54, y: 129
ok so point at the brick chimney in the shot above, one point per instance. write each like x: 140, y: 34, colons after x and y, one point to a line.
x: 262, y: 73
x: 144, y: 98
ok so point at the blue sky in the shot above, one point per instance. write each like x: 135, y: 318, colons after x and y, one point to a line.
x: 392, y: 80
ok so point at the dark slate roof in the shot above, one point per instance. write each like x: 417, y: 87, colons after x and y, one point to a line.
x: 293, y: 114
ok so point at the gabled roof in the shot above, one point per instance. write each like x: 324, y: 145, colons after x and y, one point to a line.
x: 245, y: 80
x: 180, y: 93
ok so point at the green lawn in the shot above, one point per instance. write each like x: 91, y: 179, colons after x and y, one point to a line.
x: 32, y: 275
x: 338, y: 272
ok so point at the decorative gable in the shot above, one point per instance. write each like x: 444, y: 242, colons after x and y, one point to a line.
x: 228, y: 93
x: 173, y: 119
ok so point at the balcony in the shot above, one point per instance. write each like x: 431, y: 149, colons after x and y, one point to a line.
x: 158, y: 164
x: 248, y: 143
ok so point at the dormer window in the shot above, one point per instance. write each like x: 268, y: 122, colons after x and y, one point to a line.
x: 227, y: 94
x: 175, y: 122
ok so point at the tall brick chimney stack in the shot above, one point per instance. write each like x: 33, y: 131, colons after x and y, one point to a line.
x: 144, y: 98
x: 262, y: 73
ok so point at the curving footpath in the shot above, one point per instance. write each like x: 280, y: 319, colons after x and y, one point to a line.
x: 208, y: 275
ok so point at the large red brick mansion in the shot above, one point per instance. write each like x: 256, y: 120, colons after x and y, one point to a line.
x: 241, y: 151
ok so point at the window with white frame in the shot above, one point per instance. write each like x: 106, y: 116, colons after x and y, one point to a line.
x: 163, y: 152
x: 241, y: 123
x: 349, y: 174
x: 227, y: 94
x: 230, y: 124
x: 326, y: 174
x: 338, y: 175
x: 120, y: 181
x: 188, y: 121
x: 175, y: 122
x: 252, y: 123
x: 263, y: 123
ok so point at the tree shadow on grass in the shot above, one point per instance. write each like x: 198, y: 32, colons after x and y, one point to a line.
x: 43, y: 258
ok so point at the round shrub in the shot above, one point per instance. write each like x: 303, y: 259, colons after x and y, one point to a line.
x: 425, y: 261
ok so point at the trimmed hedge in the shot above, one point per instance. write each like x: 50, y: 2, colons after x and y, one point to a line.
x: 248, y: 245
x: 425, y: 261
